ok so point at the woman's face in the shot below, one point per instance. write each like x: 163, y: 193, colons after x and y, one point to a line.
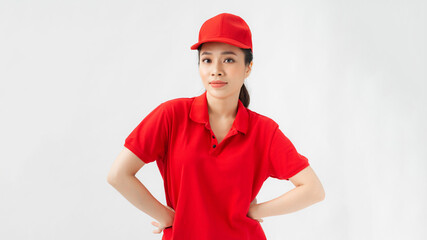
x: 223, y: 62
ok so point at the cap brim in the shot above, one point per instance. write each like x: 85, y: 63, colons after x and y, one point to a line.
x: 223, y: 40
x: 195, y: 46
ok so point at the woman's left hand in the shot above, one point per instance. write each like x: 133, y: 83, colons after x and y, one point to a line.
x: 251, y: 209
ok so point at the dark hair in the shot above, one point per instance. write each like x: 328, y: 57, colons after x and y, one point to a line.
x: 244, y: 94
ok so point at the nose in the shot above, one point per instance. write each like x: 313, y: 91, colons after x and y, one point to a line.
x: 217, y: 69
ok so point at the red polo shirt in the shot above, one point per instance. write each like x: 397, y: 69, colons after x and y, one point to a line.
x: 211, y: 185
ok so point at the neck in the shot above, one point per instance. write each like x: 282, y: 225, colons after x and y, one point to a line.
x: 222, y: 107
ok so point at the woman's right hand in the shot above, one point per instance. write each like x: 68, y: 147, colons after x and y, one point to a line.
x: 167, y: 223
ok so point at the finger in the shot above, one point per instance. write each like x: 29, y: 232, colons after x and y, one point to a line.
x: 155, y: 223
x: 158, y: 230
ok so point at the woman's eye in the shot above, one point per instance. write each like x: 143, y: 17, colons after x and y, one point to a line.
x: 232, y: 60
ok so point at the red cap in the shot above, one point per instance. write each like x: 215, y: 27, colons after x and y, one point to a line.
x: 227, y: 28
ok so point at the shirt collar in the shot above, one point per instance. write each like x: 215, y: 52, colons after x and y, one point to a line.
x: 199, y: 113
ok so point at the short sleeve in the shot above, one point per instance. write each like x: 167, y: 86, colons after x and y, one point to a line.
x: 284, y: 159
x: 149, y: 140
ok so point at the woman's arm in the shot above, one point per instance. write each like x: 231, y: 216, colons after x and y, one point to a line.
x: 122, y: 178
x: 308, y: 191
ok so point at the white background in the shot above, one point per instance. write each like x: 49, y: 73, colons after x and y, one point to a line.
x: 345, y: 80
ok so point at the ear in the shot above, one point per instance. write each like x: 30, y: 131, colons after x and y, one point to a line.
x: 248, y: 69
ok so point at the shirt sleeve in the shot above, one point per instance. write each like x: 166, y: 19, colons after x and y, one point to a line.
x: 284, y: 159
x: 149, y: 140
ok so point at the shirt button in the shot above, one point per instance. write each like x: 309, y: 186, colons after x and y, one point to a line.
x: 214, y: 146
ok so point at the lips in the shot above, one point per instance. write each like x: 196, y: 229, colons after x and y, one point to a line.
x: 218, y: 82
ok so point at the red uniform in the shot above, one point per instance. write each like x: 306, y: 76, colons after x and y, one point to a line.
x: 209, y: 185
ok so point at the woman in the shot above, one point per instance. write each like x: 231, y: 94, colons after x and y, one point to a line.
x: 213, y: 152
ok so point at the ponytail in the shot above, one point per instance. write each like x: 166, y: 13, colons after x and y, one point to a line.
x: 244, y: 96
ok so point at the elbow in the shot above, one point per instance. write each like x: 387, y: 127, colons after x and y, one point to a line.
x: 316, y: 192
x: 118, y: 178
x: 111, y: 178
x: 320, y: 194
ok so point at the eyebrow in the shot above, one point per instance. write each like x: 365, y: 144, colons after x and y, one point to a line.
x: 223, y: 53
